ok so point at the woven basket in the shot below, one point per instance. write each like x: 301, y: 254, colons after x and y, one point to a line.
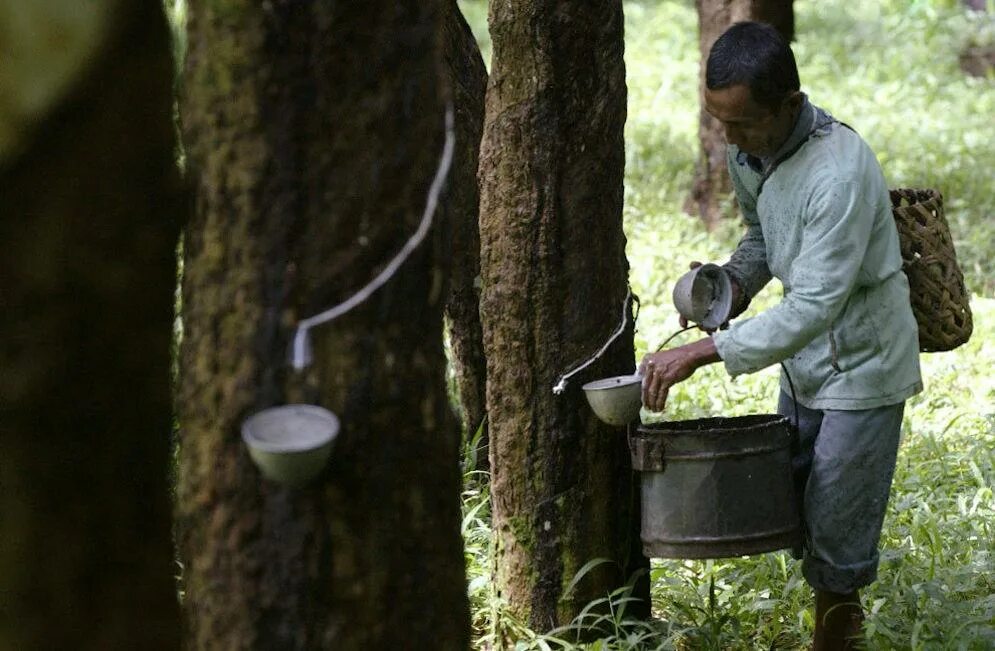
x: 939, y: 298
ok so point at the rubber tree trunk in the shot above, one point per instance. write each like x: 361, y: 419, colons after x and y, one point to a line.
x: 91, y: 212
x: 313, y: 132
x: 554, y: 283
x: 468, y: 80
x: 779, y: 13
x: 711, y: 186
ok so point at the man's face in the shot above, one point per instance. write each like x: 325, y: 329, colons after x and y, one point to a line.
x: 755, y: 129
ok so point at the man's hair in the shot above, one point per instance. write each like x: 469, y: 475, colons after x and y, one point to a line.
x: 756, y: 55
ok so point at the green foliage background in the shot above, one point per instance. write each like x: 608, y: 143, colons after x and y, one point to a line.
x: 888, y: 68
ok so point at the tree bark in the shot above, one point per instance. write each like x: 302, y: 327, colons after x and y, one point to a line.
x: 554, y: 282
x: 314, y: 130
x: 977, y: 60
x: 711, y: 181
x: 468, y: 79
x: 778, y: 13
x: 91, y: 212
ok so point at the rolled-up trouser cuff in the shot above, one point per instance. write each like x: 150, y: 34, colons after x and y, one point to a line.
x: 843, y: 579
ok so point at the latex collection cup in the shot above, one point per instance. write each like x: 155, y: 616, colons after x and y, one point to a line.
x: 616, y: 400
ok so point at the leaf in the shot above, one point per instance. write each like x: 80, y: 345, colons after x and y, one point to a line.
x: 470, y: 515
x: 582, y: 572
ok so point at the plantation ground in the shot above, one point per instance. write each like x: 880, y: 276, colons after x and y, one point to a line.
x: 889, y: 69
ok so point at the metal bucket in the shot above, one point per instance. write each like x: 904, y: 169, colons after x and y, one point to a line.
x: 716, y: 487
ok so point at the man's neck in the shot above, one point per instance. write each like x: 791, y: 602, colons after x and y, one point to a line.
x: 802, y: 122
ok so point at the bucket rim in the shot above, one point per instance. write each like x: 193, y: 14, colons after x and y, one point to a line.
x: 713, y: 425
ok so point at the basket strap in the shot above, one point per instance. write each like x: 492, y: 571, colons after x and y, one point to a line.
x: 791, y: 152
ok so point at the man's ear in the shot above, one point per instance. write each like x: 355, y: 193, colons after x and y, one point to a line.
x: 794, y: 101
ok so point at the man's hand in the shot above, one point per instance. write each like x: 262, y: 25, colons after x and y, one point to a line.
x: 666, y: 368
x: 737, y: 299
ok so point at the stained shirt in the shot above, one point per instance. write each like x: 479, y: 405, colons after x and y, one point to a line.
x: 823, y: 226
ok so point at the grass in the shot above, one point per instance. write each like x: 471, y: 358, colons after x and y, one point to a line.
x: 889, y: 69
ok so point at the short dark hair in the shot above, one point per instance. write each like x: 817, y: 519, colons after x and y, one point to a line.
x: 757, y: 55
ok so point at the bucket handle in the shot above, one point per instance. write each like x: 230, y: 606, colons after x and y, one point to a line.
x: 668, y: 339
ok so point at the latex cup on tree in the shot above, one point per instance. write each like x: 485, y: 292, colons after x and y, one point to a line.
x: 291, y: 444
x: 616, y: 400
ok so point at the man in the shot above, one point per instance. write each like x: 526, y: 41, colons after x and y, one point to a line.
x: 818, y: 219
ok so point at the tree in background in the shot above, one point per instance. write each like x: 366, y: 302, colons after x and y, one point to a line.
x: 554, y: 278
x: 468, y: 80
x: 711, y: 178
x: 91, y: 212
x: 977, y: 58
x: 313, y: 132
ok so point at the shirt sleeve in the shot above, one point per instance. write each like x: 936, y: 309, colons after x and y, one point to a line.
x: 835, y: 236
x: 748, y: 264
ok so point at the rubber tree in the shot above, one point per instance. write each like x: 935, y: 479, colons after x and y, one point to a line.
x: 313, y: 132
x: 711, y: 187
x: 468, y: 80
x: 91, y: 211
x: 554, y: 276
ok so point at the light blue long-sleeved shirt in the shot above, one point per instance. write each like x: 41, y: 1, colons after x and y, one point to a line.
x: 823, y: 226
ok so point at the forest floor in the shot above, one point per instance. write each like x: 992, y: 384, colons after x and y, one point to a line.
x: 889, y: 69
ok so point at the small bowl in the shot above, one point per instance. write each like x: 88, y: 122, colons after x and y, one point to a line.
x: 616, y: 400
x: 290, y: 444
x: 704, y: 296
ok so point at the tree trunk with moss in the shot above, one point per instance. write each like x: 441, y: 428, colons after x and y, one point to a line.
x: 91, y: 212
x: 468, y: 80
x: 554, y: 284
x: 711, y: 187
x: 313, y: 132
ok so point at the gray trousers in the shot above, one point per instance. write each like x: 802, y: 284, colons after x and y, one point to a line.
x: 843, y: 470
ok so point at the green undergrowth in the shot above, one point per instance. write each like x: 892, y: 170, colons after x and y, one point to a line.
x: 889, y: 69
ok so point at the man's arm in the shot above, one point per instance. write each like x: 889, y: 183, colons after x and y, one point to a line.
x: 835, y: 238
x: 748, y: 264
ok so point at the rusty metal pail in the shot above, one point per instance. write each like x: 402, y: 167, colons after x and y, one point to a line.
x: 716, y: 487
